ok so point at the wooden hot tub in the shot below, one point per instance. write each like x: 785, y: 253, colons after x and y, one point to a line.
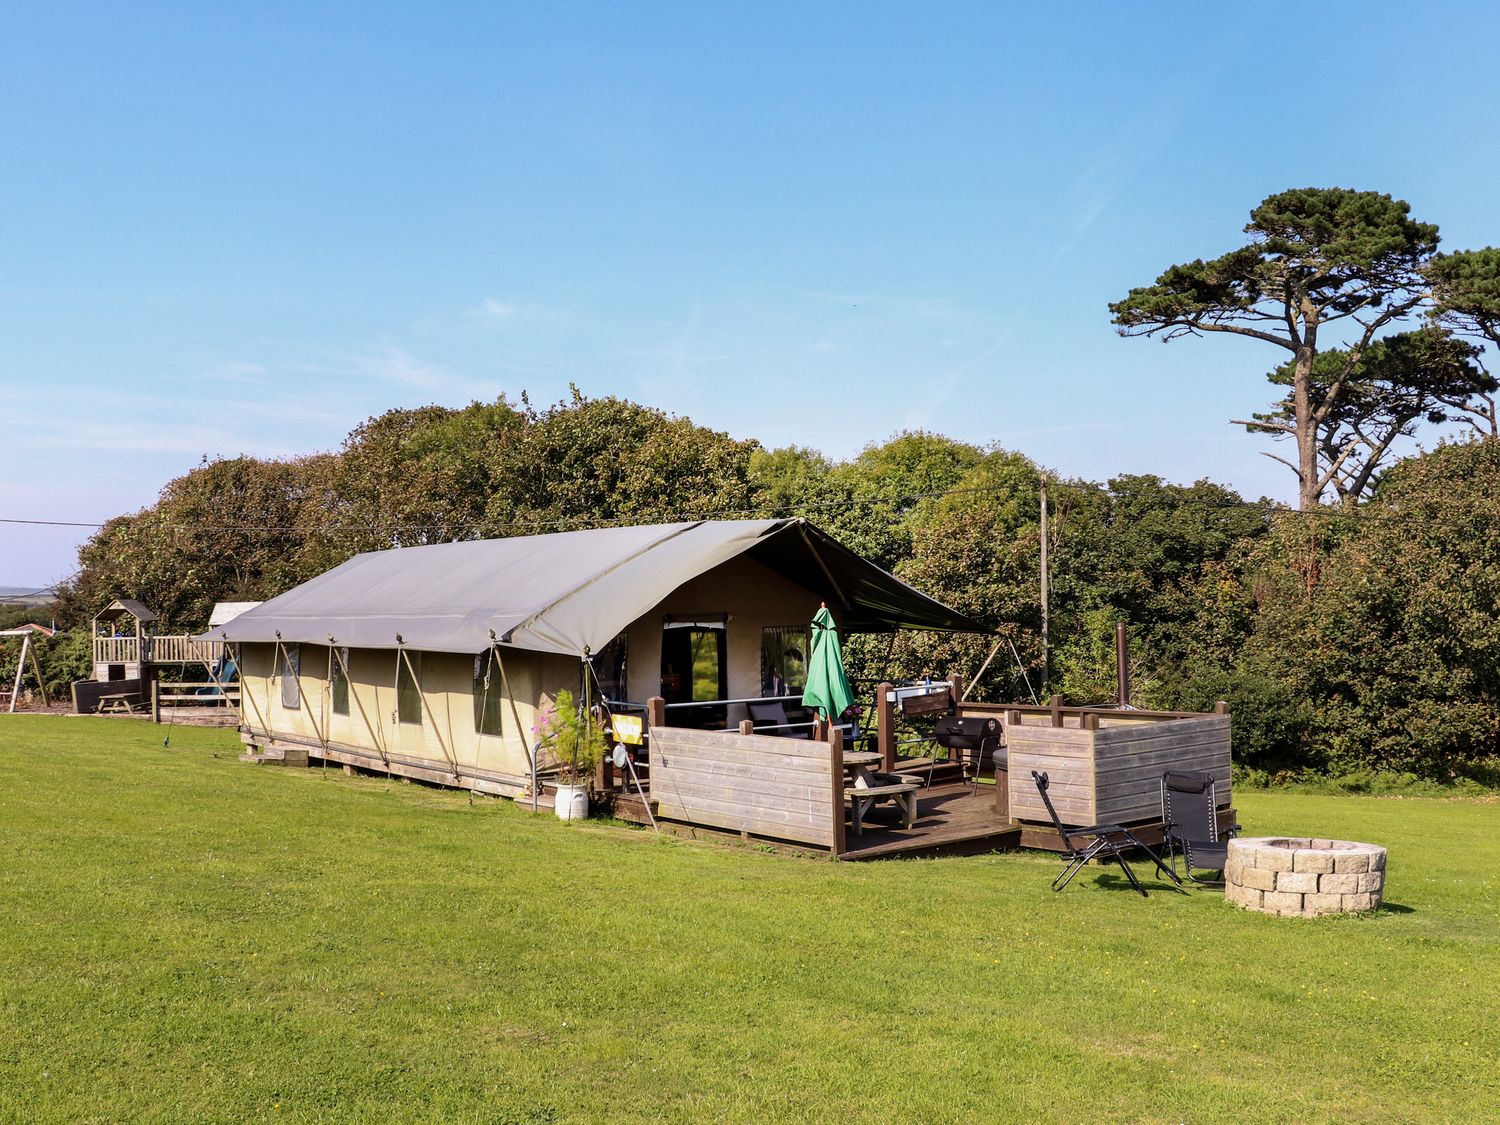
x: 1105, y: 766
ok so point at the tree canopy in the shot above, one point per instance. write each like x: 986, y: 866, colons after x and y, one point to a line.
x: 1316, y: 259
x: 1427, y: 375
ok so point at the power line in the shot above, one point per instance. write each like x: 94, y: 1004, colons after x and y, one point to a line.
x: 1266, y: 508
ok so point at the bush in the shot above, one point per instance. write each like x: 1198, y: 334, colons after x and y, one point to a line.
x: 1268, y: 721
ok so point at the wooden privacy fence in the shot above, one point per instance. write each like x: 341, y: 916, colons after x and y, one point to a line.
x: 783, y: 788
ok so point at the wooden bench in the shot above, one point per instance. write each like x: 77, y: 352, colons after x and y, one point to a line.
x: 863, y: 798
x: 125, y: 703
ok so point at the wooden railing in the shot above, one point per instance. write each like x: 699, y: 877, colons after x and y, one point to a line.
x: 1053, y: 713
x: 196, y: 691
x: 184, y: 650
x: 177, y: 649
x: 116, y: 650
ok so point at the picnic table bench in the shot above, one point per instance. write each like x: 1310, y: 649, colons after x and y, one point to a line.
x: 869, y: 789
x: 125, y: 702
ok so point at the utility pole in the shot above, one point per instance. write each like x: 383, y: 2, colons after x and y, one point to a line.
x: 1122, y: 663
x: 1046, y: 652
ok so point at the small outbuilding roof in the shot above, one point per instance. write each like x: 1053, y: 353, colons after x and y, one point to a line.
x: 125, y: 607
x: 570, y: 591
x: 225, y: 612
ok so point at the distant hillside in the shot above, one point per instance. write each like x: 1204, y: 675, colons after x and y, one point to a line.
x: 25, y: 595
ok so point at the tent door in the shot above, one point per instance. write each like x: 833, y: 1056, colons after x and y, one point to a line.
x: 694, y: 667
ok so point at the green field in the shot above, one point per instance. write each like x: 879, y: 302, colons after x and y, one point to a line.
x: 185, y: 937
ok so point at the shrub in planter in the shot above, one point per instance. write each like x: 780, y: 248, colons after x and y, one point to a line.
x: 573, y: 741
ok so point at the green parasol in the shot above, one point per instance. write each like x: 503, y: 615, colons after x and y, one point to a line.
x: 827, y: 692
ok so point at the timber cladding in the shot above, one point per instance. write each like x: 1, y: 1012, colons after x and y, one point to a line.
x: 1112, y: 775
x: 777, y: 787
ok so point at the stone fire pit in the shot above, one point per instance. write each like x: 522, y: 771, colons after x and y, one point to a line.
x: 1303, y: 876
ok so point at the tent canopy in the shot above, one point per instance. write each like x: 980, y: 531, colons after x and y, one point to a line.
x: 569, y: 591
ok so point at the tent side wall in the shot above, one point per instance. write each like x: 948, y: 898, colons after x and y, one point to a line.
x: 372, y: 728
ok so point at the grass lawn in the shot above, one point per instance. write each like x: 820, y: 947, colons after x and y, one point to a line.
x: 185, y: 937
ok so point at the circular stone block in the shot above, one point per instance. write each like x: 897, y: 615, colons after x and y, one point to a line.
x: 1304, y: 876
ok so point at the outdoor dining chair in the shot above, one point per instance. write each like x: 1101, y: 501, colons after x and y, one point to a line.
x: 1108, y: 838
x: 1189, y: 809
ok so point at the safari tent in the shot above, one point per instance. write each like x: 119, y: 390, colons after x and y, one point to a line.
x: 434, y: 661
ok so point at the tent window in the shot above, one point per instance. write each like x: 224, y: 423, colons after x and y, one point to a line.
x: 783, y: 659
x: 487, y: 693
x: 339, y: 682
x: 409, y: 689
x: 291, y: 666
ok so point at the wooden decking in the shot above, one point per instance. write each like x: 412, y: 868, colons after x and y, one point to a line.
x: 951, y: 820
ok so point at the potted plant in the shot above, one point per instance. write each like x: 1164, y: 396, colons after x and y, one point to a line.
x: 576, y: 743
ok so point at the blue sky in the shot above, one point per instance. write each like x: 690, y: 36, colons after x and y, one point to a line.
x: 232, y: 231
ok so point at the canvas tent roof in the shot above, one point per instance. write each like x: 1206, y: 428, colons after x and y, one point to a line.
x: 568, y: 591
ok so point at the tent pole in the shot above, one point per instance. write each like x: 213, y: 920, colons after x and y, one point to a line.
x: 515, y: 715
x: 828, y: 574
x: 246, y: 693
x: 385, y: 758
x: 629, y: 765
x: 214, y: 678
x: 301, y: 695
x: 1016, y: 656
x: 431, y: 718
x: 982, y: 669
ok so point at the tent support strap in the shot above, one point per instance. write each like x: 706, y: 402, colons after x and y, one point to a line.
x: 302, y: 695
x: 431, y: 718
x: 246, y: 693
x: 379, y: 740
x: 515, y: 714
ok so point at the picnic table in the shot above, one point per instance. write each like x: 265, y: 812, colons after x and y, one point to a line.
x: 868, y: 788
x: 125, y: 702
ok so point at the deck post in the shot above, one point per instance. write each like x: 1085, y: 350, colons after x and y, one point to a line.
x: 747, y: 726
x: 656, y: 712
x: 836, y: 764
x: 1055, y: 703
x: 155, y: 700
x: 885, y: 729
x: 1221, y: 708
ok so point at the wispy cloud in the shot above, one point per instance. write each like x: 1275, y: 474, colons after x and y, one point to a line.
x: 177, y: 439
x: 1083, y: 220
x: 915, y: 308
x: 235, y: 371
x: 936, y: 392
x: 495, y: 310
x: 1142, y: 134
x: 393, y: 364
